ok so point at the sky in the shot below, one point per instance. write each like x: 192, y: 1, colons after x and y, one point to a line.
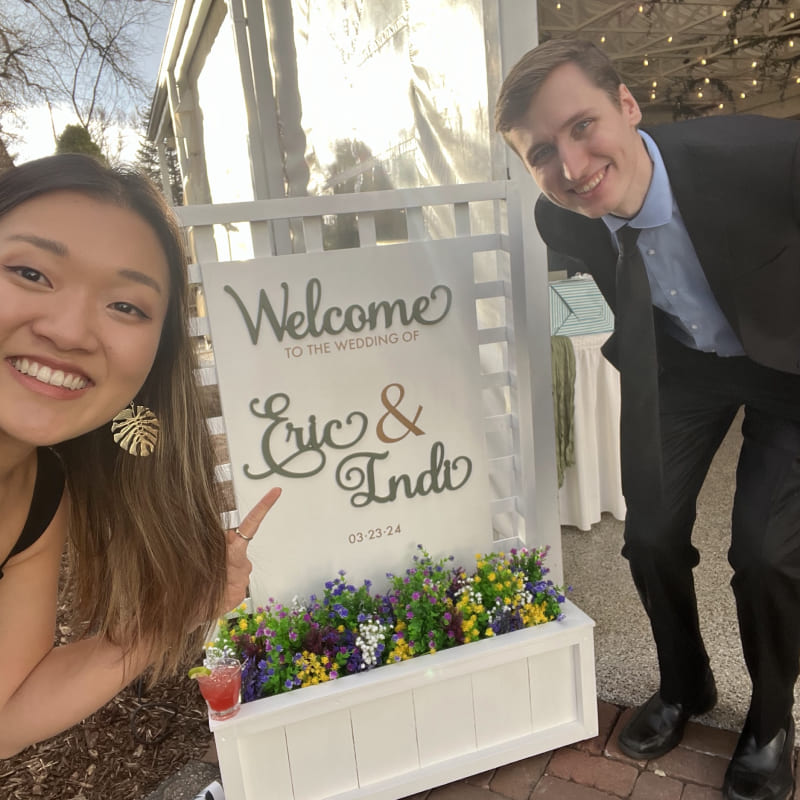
x: 36, y: 130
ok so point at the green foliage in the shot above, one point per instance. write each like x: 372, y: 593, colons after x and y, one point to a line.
x: 76, y: 139
x: 147, y: 159
x: 349, y: 630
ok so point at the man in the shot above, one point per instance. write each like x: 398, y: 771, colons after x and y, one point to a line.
x: 716, y: 206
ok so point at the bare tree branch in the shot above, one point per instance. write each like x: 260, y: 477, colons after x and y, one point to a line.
x: 83, y: 53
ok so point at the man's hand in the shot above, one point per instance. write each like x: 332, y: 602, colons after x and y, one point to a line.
x: 239, y: 566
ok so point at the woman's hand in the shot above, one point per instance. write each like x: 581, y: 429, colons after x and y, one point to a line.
x: 239, y: 566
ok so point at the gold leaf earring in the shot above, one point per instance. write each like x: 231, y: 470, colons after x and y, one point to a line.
x: 136, y: 429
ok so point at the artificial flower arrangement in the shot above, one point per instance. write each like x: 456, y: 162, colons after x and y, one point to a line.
x: 348, y: 629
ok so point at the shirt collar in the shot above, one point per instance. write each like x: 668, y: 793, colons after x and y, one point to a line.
x: 657, y: 207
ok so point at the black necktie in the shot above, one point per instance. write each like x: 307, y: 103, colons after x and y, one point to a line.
x: 640, y: 434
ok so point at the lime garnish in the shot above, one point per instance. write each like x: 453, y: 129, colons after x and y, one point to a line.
x: 196, y: 672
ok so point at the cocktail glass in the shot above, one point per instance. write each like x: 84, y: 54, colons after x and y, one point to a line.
x: 221, y: 689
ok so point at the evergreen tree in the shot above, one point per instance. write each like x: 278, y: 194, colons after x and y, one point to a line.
x: 76, y: 139
x: 175, y: 177
x: 147, y: 159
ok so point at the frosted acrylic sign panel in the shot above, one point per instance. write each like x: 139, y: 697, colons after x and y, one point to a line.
x: 351, y: 379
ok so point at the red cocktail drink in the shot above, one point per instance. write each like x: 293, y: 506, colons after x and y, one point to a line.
x: 221, y: 688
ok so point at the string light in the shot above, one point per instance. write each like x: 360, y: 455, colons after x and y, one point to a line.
x: 704, y: 61
x: 558, y: 6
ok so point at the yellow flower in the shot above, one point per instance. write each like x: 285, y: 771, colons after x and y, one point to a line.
x: 492, y: 577
x: 534, y: 614
x: 489, y: 632
x: 401, y: 651
x: 243, y: 623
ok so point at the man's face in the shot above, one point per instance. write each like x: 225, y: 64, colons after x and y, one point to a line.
x: 582, y: 150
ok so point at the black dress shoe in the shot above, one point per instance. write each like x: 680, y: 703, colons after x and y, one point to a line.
x: 657, y: 726
x: 761, y: 773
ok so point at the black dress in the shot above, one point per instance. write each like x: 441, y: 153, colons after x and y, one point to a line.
x: 47, y: 493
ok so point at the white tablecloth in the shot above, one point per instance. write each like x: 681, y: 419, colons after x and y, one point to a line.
x: 593, y: 484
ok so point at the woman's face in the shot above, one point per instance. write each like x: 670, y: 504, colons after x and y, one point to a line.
x: 84, y: 286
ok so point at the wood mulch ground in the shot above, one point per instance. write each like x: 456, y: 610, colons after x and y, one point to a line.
x: 122, y: 752
x: 112, y: 755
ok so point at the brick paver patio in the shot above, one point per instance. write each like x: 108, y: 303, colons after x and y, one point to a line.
x: 597, y: 770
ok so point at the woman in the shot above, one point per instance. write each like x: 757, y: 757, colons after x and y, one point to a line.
x: 93, y: 328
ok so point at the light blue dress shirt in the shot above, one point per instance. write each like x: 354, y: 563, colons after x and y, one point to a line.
x: 678, y: 285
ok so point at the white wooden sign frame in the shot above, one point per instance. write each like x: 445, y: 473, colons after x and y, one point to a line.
x: 470, y: 708
x: 510, y: 286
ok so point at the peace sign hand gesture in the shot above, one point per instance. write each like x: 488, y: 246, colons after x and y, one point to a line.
x: 239, y: 566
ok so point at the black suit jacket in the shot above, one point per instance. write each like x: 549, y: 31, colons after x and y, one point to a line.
x: 736, y: 180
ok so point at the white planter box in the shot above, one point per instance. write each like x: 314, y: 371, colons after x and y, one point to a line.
x: 411, y: 726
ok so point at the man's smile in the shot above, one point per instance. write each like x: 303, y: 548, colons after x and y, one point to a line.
x: 591, y: 183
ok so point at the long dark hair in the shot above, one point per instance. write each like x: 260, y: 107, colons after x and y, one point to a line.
x: 146, y: 546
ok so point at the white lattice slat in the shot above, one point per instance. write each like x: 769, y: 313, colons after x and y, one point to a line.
x: 367, y: 235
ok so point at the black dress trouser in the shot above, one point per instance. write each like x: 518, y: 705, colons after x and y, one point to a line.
x: 700, y: 394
